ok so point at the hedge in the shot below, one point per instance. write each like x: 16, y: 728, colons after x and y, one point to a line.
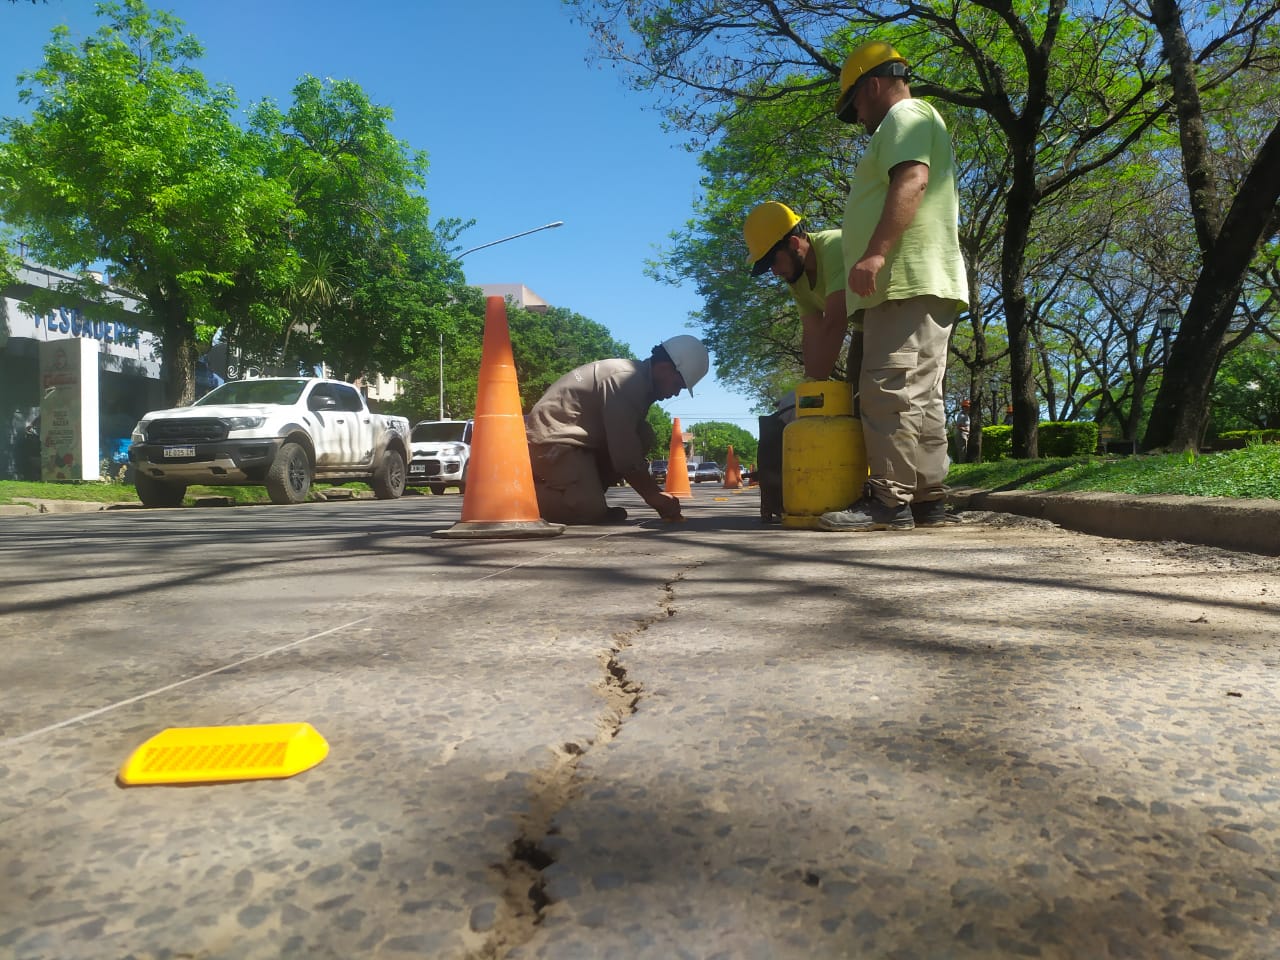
x: 1057, y: 439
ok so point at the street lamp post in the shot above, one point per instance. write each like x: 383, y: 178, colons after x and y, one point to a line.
x: 523, y: 233
x: 492, y: 243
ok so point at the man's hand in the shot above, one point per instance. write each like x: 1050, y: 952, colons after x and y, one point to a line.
x: 668, y: 507
x: 862, y: 275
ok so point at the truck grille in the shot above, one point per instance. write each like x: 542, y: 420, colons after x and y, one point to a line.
x: 194, y: 429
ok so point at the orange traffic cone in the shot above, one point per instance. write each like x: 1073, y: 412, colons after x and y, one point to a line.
x: 677, y: 466
x: 732, y: 471
x: 500, y: 502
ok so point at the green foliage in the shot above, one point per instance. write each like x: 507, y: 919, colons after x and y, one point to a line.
x: 660, y: 421
x: 713, y: 438
x: 1252, y: 436
x: 132, y: 160
x: 304, y: 237
x: 548, y: 344
x: 1253, y: 472
x: 1067, y: 439
x: 374, y: 283
x: 1246, y: 390
x: 1070, y: 123
x: 997, y: 442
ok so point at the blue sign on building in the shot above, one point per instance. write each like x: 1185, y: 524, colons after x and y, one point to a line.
x: 71, y: 320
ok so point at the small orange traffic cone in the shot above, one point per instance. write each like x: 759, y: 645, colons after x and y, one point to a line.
x: 677, y: 466
x: 500, y: 501
x: 732, y: 471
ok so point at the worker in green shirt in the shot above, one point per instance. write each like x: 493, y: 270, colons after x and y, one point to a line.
x: 906, y: 278
x: 813, y: 267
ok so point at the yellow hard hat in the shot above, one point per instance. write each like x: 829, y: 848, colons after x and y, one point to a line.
x: 866, y: 61
x: 765, y: 226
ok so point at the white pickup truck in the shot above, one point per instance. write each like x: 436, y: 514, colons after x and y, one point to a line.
x: 283, y: 432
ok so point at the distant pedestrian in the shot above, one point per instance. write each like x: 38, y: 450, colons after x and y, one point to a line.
x: 962, y: 432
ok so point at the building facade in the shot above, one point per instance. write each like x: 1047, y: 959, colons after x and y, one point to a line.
x: 71, y: 386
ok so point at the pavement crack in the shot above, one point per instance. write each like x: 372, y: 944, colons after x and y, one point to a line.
x: 520, y: 878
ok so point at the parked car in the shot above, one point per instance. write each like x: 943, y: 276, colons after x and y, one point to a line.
x: 658, y: 470
x: 705, y: 471
x: 282, y: 432
x: 440, y: 453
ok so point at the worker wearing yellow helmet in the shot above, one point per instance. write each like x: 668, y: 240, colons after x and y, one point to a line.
x: 813, y: 267
x: 906, y: 279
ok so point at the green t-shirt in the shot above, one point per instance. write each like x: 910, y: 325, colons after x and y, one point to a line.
x: 927, y: 260
x: 830, y: 278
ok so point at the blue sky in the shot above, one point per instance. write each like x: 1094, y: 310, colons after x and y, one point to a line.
x: 519, y: 128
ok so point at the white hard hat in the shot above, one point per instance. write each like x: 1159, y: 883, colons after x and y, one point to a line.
x: 690, y: 358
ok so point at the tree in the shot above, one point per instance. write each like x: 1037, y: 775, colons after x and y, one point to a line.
x: 375, y: 283
x: 1246, y: 392
x: 1229, y: 229
x: 661, y: 424
x: 713, y: 438
x: 548, y: 344
x: 1063, y: 93
x: 131, y: 161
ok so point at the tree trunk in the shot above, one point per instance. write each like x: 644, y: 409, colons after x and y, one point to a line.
x: 1019, y: 207
x: 1227, y: 244
x: 178, y: 351
x: 1181, y: 409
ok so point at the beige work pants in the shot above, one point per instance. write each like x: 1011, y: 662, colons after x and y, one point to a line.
x: 568, y: 483
x: 903, y: 417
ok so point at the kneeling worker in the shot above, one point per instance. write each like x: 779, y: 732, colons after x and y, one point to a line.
x: 589, y: 430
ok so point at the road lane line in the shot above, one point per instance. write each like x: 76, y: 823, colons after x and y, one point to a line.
x: 31, y: 735
x: 14, y: 741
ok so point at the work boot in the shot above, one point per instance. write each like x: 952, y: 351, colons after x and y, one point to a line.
x: 615, y: 514
x: 867, y: 514
x: 932, y: 513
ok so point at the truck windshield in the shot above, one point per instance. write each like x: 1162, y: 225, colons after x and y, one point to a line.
x: 254, y: 391
x: 439, y: 431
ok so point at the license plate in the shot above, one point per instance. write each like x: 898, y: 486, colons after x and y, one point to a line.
x: 179, y: 451
x: 417, y: 468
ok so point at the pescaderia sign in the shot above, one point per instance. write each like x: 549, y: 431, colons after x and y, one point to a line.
x: 71, y: 320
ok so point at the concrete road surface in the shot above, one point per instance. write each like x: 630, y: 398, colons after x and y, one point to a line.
x: 712, y: 740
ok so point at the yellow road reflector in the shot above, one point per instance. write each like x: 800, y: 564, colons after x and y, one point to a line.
x: 720, y: 499
x: 212, y: 754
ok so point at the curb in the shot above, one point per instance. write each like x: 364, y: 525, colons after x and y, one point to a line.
x: 1252, y: 526
x: 30, y: 506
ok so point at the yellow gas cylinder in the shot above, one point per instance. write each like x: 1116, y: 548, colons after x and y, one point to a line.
x: 824, y: 459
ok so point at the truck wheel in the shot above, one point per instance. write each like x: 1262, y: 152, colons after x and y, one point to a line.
x: 289, y: 479
x: 389, y: 477
x: 437, y: 489
x: 462, y: 485
x: 157, y: 493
